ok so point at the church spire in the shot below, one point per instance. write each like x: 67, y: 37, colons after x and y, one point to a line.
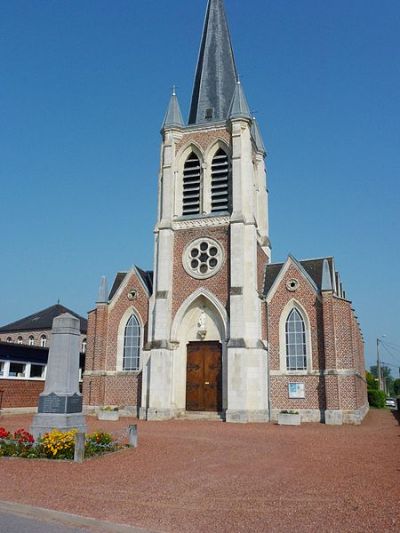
x: 173, y: 116
x: 239, y: 107
x: 216, y: 70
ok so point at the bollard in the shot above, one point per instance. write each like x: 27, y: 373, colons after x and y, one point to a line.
x: 79, y: 454
x: 133, y: 436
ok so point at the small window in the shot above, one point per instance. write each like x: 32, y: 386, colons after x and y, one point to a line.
x: 19, y: 340
x: 84, y: 344
x: 209, y: 113
x: 296, y: 346
x: 43, y: 341
x: 131, y: 358
x: 17, y: 370
x: 37, y: 371
x: 9, y: 339
x: 31, y: 340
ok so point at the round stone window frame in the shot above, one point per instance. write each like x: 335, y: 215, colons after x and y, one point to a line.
x: 188, y: 258
x: 292, y: 285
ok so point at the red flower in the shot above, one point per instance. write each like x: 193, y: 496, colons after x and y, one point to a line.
x: 4, y: 434
x: 23, y: 437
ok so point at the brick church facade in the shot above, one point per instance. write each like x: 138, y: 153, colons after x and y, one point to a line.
x: 218, y: 329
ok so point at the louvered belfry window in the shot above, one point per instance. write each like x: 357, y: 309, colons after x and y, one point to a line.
x: 192, y: 186
x: 220, y: 193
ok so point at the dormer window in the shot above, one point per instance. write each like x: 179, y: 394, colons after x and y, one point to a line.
x: 192, y: 186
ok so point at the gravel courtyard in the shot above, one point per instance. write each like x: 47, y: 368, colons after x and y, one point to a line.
x: 194, y: 476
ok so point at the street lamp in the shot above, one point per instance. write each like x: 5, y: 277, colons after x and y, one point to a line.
x: 378, y: 361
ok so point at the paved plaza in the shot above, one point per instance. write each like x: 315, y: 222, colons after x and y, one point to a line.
x: 197, y: 476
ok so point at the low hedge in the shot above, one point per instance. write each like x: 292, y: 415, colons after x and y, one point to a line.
x: 376, y: 398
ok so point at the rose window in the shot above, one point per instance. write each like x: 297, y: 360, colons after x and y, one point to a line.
x: 203, y: 258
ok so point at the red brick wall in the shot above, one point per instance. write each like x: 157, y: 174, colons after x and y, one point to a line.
x: 20, y: 393
x: 307, y: 297
x: 204, y: 139
x: 122, y: 388
x: 183, y: 284
x: 314, y: 384
x: 314, y: 392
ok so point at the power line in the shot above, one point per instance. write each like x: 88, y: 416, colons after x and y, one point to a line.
x: 389, y: 364
x: 393, y: 344
x: 389, y: 351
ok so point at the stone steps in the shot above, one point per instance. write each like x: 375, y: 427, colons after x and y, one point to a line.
x: 203, y: 415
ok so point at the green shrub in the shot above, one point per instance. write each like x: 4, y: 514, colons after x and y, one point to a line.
x: 376, y: 398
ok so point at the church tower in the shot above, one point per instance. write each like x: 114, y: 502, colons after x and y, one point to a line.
x: 206, y: 349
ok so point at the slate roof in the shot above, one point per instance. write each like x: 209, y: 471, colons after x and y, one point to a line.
x: 216, y: 73
x: 173, y: 116
x: 146, y: 275
x: 239, y: 107
x: 119, y: 278
x: 313, y: 267
x: 42, y: 320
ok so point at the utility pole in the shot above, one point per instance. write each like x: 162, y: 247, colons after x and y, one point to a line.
x: 378, y: 364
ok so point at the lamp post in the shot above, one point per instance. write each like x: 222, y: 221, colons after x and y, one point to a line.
x: 378, y: 362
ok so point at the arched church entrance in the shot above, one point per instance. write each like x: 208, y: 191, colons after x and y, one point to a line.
x: 200, y: 330
x: 204, y: 376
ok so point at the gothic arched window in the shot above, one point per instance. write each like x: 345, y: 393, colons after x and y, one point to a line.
x: 131, y: 357
x: 192, y: 186
x: 220, y: 190
x: 296, y: 346
x: 31, y: 340
x: 43, y: 341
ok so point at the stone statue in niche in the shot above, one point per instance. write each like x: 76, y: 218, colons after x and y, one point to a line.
x: 202, y: 325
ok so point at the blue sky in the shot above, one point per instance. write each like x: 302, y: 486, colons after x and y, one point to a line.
x: 84, y: 87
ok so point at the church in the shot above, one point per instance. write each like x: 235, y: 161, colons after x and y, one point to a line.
x: 217, y: 329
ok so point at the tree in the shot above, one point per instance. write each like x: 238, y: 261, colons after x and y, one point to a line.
x: 387, y: 378
x: 396, y: 386
x: 372, y: 381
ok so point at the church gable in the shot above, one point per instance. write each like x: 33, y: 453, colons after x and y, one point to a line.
x: 292, y: 289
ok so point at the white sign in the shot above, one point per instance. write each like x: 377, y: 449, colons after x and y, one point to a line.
x: 296, y: 390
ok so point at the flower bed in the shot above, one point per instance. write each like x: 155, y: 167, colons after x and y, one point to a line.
x: 54, y: 444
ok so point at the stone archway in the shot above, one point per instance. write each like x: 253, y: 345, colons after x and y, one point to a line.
x: 200, y: 329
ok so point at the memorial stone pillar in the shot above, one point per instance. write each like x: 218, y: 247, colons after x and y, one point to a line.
x: 60, y: 404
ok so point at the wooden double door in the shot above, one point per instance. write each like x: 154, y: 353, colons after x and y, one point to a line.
x: 204, y: 376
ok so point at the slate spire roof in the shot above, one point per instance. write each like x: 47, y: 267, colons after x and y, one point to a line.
x: 42, y: 320
x: 257, y: 137
x: 173, y: 116
x: 216, y: 73
x: 239, y: 107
